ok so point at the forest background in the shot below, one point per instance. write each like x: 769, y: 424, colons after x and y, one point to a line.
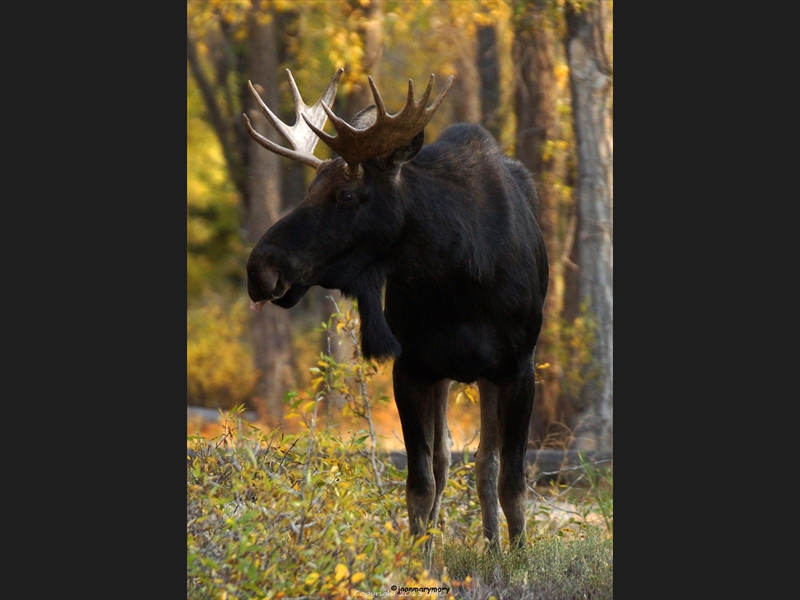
x: 536, y: 73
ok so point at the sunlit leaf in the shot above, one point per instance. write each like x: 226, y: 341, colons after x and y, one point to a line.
x: 340, y: 572
x: 357, y: 577
x: 421, y: 540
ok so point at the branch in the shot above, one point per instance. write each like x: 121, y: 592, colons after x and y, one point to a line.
x: 214, y: 113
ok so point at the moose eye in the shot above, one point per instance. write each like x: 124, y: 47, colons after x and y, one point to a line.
x: 345, y: 197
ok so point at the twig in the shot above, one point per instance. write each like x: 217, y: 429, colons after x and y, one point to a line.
x: 573, y: 468
x: 364, y: 400
x: 306, y: 464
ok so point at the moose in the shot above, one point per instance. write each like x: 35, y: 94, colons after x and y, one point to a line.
x: 441, y: 248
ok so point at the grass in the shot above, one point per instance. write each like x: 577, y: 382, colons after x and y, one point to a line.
x: 548, y: 568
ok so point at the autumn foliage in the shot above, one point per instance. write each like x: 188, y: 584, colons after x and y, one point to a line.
x: 321, y: 513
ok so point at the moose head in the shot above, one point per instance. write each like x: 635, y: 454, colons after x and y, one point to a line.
x: 350, y: 217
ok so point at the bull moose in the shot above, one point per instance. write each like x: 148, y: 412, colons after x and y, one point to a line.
x: 441, y: 248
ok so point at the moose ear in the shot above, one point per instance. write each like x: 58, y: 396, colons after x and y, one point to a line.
x: 403, y: 154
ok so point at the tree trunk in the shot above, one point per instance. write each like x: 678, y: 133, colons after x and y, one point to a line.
x: 489, y: 71
x: 537, y: 123
x: 293, y: 173
x: 590, y: 82
x: 371, y: 32
x: 271, y: 328
x: 465, y: 89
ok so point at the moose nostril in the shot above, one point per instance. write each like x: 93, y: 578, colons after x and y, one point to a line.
x: 269, y: 279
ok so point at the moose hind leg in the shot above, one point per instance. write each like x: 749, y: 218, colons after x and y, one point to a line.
x: 441, y: 446
x: 487, y: 462
x: 416, y: 407
x: 515, y: 403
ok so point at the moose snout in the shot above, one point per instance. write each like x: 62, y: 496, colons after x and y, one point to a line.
x: 265, y: 283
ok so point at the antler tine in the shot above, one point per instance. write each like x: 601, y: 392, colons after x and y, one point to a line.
x: 300, y: 136
x: 308, y: 159
x: 440, y: 98
x: 329, y: 95
x: 382, y: 114
x: 298, y: 100
x: 274, y: 121
x: 410, y: 97
x: 424, y: 100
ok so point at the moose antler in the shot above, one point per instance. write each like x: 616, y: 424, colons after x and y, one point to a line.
x: 302, y: 139
x: 386, y: 133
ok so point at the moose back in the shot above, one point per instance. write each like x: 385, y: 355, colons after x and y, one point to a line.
x: 441, y: 247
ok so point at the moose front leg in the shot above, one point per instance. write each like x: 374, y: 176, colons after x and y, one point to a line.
x: 417, y: 407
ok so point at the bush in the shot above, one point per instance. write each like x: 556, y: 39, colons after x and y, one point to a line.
x: 298, y: 515
x: 219, y: 368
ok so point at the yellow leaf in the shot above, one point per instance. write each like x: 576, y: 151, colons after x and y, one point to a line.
x: 308, y: 406
x: 312, y: 577
x: 340, y: 572
x: 420, y: 541
x: 357, y: 577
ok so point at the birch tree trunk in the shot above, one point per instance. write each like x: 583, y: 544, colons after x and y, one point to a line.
x: 591, y: 85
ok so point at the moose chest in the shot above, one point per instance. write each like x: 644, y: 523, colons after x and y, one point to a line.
x: 445, y: 333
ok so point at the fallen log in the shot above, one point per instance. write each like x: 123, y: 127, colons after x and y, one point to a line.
x: 540, y: 463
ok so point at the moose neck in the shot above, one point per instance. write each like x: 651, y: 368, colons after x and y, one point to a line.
x: 441, y: 236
